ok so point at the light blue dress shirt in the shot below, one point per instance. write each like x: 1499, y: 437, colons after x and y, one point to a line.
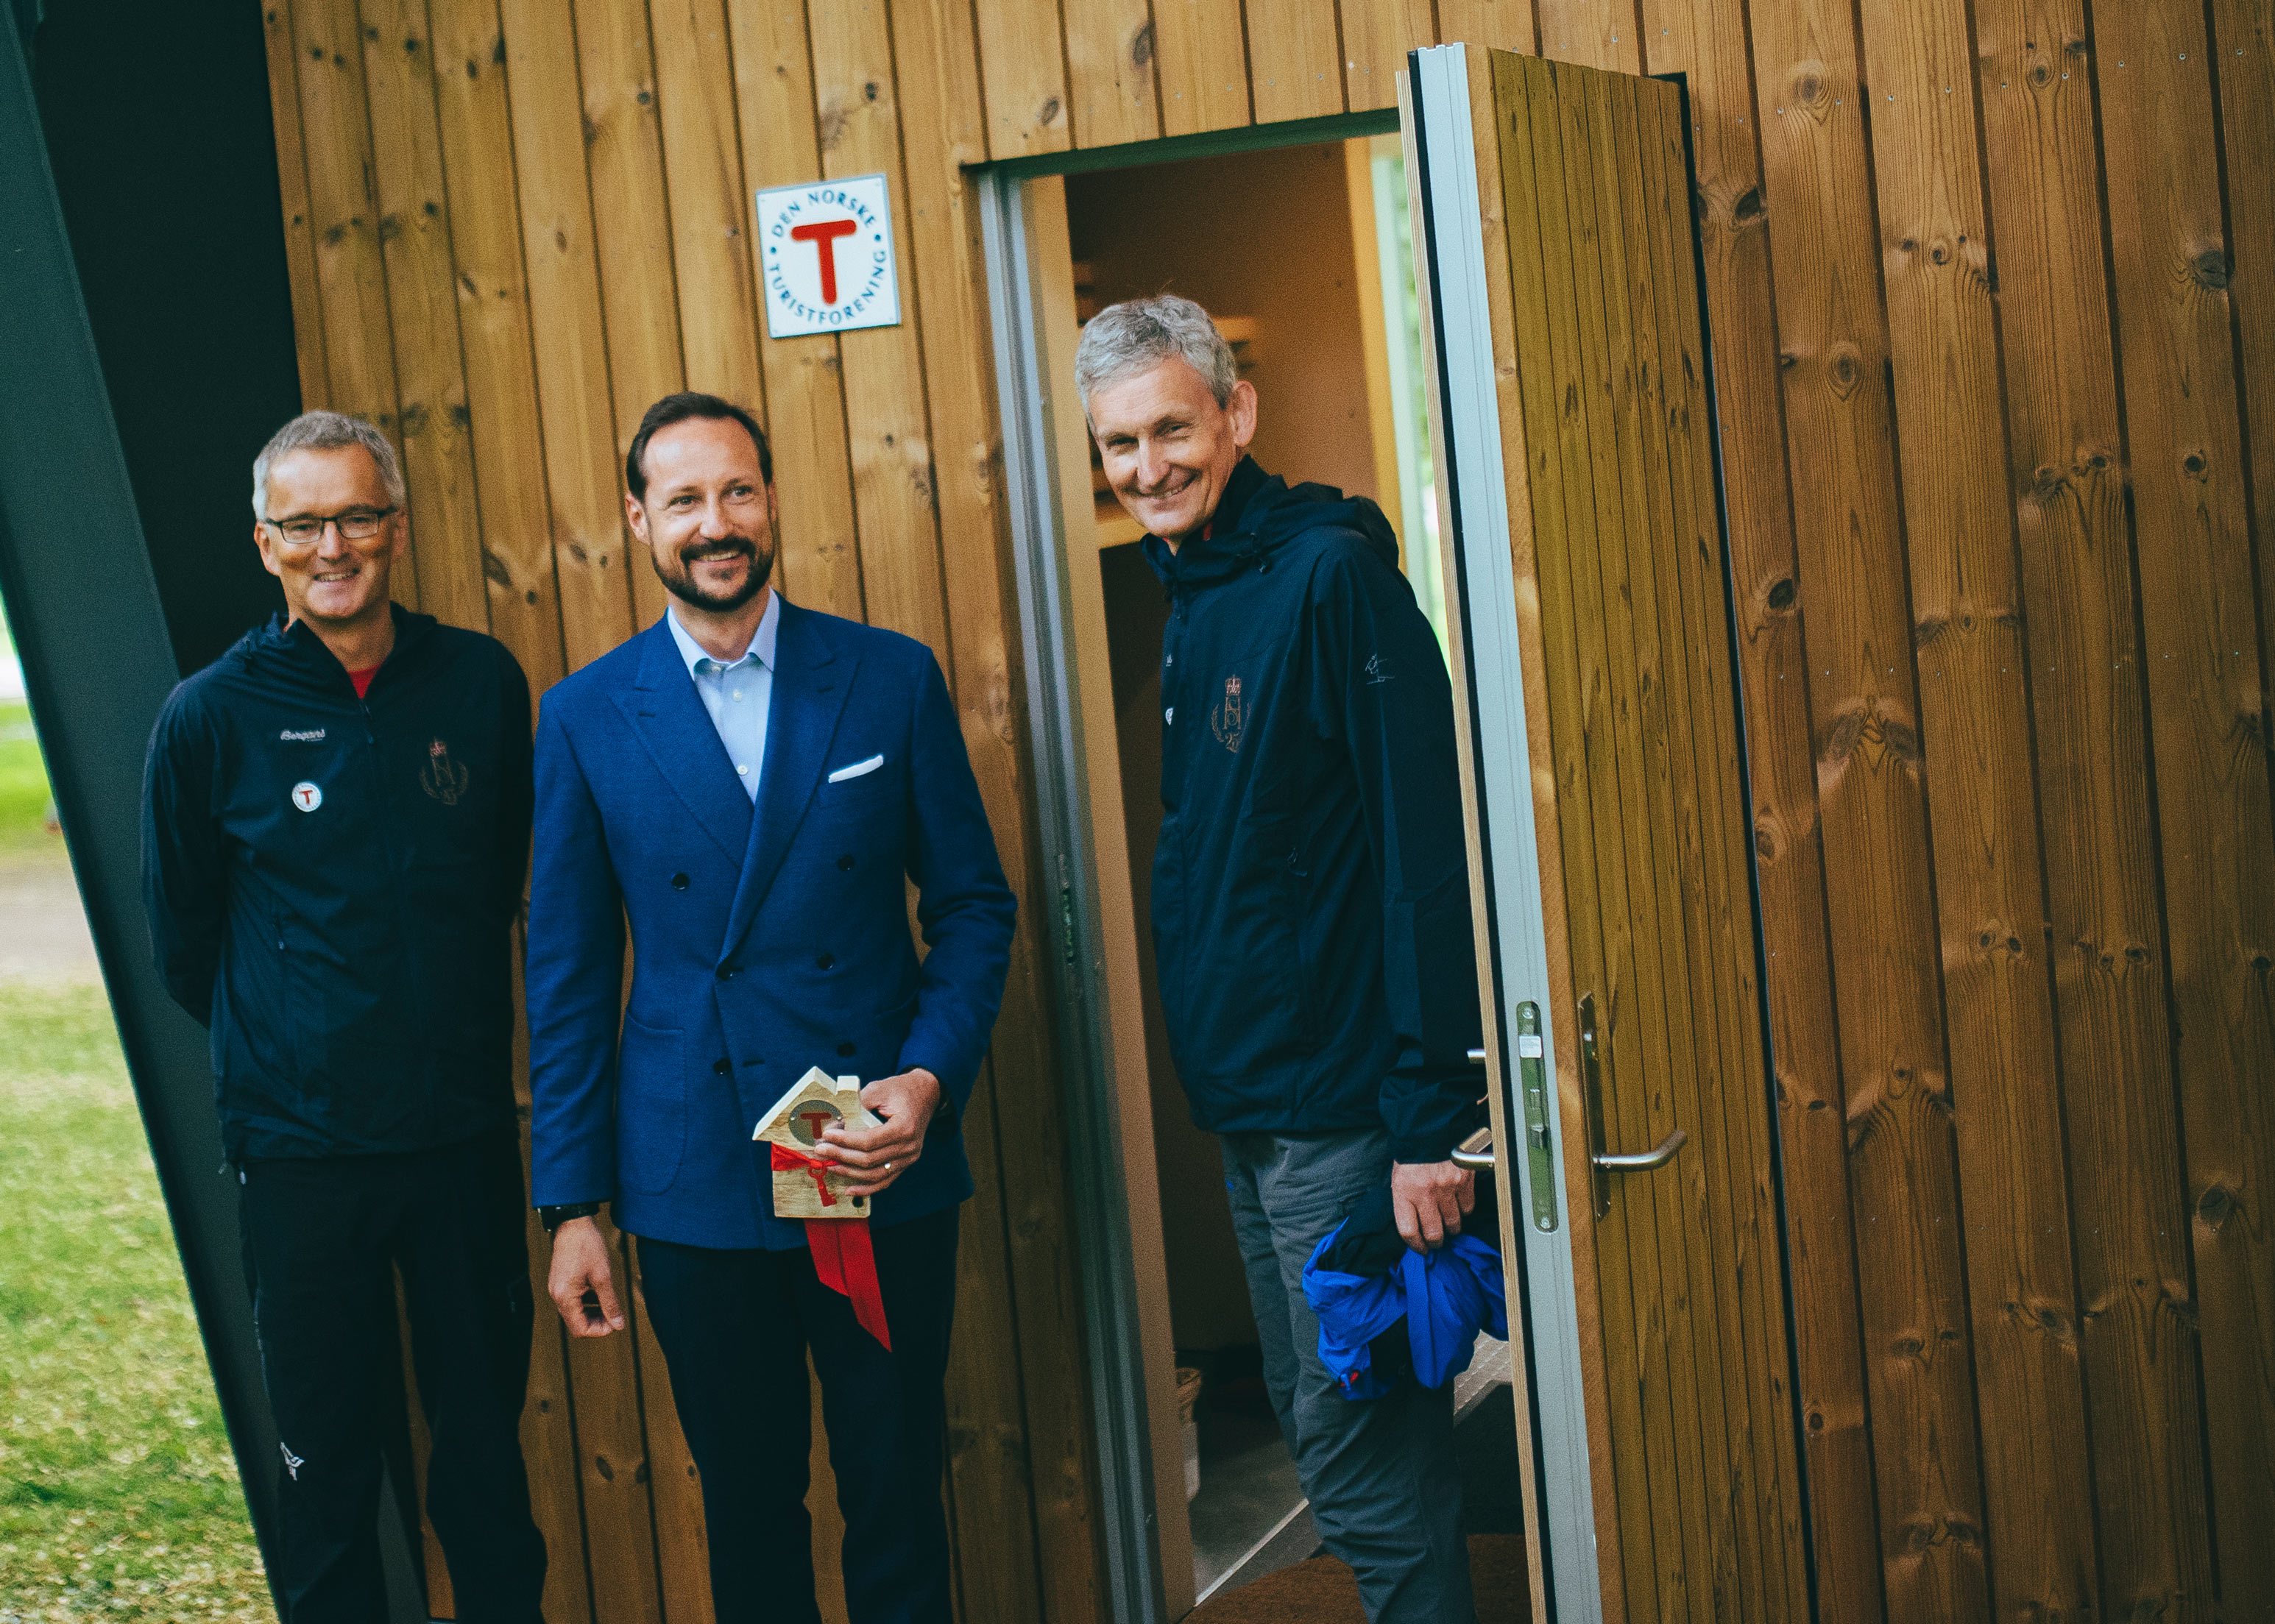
x: 737, y: 693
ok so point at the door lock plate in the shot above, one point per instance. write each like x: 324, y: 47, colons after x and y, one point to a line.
x: 1532, y: 1083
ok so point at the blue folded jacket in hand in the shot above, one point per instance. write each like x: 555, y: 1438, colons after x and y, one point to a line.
x: 1363, y: 1279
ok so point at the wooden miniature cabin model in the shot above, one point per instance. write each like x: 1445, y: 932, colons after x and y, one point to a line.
x: 804, y: 1186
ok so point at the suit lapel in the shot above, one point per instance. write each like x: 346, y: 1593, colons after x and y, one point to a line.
x: 668, y: 714
x: 810, y: 682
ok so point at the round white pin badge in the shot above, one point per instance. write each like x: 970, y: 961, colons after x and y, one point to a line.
x: 306, y: 796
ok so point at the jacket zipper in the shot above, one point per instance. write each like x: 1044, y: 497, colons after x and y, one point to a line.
x: 402, y: 922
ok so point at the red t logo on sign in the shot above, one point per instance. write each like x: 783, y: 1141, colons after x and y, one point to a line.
x: 823, y: 234
x: 850, y: 282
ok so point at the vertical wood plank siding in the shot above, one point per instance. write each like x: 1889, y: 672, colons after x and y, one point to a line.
x: 2208, y: 719
x: 1970, y: 661
x: 1991, y: 288
x: 2064, y: 458
x: 415, y: 242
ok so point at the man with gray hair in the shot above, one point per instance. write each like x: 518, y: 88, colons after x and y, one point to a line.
x: 1310, y: 908
x: 335, y: 829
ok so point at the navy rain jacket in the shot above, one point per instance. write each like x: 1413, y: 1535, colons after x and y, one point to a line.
x: 331, y: 884
x: 1311, y: 892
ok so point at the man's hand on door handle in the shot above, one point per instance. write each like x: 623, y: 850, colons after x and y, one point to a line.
x: 1428, y: 1199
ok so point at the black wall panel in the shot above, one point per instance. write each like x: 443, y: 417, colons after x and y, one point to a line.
x: 158, y: 134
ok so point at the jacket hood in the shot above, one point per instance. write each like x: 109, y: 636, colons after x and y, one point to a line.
x: 1271, y: 514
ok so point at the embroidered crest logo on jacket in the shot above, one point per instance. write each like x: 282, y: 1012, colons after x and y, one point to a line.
x: 1227, y: 720
x: 442, y: 778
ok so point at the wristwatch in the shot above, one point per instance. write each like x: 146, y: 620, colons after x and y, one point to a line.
x: 553, y: 1217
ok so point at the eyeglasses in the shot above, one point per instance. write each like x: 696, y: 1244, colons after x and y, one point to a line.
x: 308, y: 529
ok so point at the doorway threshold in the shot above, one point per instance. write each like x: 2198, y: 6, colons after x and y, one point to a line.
x: 1295, y: 1537
x: 1488, y: 1369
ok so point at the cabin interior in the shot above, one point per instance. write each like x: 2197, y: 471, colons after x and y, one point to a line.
x: 1303, y: 255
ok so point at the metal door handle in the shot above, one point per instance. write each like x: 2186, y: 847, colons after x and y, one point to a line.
x: 1640, y: 1162
x: 1604, y: 1163
x: 1476, y: 1152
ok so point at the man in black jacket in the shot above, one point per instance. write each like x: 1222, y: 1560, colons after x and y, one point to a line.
x: 1310, y: 904
x: 336, y: 828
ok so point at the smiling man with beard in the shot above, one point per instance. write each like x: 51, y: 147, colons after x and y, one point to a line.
x: 750, y: 785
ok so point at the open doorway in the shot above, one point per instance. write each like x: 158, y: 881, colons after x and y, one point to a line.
x: 1303, y: 253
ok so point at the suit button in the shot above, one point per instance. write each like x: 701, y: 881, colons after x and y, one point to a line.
x: 846, y: 861
x: 826, y: 961
x: 725, y: 973
x: 845, y: 1049
x: 721, y: 1068
x: 679, y: 882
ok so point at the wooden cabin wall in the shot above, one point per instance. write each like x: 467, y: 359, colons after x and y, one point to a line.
x: 1992, y: 293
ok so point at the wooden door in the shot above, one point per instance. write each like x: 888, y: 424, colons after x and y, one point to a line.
x: 1608, y: 820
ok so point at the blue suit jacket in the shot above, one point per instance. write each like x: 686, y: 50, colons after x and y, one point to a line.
x: 764, y: 940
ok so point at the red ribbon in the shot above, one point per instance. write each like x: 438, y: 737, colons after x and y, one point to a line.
x: 787, y: 1159
x: 843, y: 1256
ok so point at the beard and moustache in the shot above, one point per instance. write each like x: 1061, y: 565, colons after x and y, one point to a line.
x: 678, y: 577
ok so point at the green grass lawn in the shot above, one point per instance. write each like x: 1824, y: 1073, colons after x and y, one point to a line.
x: 23, y: 783
x: 118, y: 1494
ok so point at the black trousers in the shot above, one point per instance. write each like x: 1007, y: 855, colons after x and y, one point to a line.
x: 735, y: 1327
x: 322, y: 1238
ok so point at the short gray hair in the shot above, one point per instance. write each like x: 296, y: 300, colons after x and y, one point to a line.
x: 1140, y: 334
x: 326, y: 431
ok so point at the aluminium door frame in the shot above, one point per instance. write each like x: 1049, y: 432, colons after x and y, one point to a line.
x: 1481, y: 598
x: 1105, y: 1268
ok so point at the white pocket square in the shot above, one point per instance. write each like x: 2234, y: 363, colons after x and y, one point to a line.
x: 857, y: 769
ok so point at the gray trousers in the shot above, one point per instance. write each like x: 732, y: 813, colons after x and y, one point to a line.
x: 1385, y: 1488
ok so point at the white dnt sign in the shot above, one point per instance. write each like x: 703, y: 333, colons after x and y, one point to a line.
x: 828, y: 250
